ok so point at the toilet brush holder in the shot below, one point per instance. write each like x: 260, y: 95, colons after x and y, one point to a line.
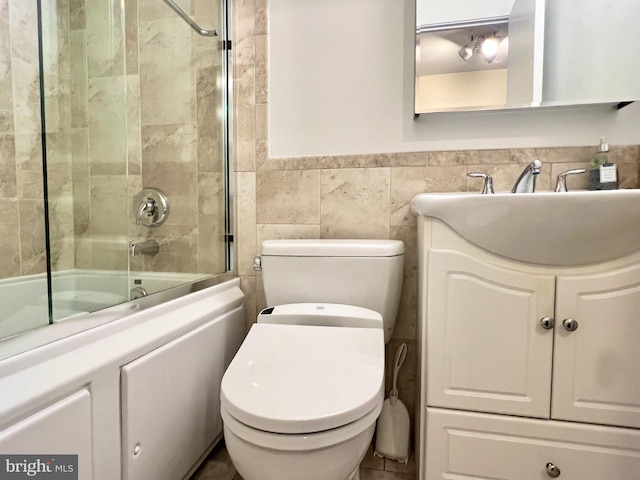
x: 393, y: 426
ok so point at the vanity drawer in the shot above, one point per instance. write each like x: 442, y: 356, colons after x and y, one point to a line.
x: 483, y: 446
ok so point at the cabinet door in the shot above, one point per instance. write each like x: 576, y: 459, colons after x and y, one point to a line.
x: 596, y: 367
x: 463, y: 445
x: 486, y: 348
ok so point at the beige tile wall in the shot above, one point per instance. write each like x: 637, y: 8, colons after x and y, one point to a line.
x: 356, y: 196
x: 21, y: 205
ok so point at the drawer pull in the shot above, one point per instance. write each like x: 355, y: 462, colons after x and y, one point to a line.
x: 552, y: 470
x: 570, y: 324
x: 547, y: 323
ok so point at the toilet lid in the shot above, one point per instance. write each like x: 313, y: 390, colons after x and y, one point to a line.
x: 304, y: 379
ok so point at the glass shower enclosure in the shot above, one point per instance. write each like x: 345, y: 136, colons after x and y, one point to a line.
x: 113, y: 153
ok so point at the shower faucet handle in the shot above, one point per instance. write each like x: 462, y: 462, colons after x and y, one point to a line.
x: 151, y: 207
x: 487, y: 186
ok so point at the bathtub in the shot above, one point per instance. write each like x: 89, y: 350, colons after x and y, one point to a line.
x: 76, y: 292
x: 135, y: 396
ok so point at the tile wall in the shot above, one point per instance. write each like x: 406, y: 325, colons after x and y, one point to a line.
x: 132, y: 99
x: 357, y: 196
x: 21, y: 204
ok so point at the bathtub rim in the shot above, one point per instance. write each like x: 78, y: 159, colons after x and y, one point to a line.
x: 47, y: 334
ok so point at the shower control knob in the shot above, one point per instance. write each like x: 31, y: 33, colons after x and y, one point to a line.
x: 552, y: 470
x: 547, y: 323
x: 570, y: 324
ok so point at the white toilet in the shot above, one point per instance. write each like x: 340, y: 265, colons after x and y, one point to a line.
x: 301, y: 397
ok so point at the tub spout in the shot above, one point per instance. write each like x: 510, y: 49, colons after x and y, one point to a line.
x: 526, y: 182
x: 148, y: 247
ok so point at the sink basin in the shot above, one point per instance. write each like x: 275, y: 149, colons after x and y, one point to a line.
x: 547, y: 228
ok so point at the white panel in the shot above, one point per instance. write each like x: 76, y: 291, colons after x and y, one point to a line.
x: 486, y: 350
x: 63, y: 428
x: 171, y: 400
x: 596, y: 366
x: 526, y: 50
x: 436, y: 11
x: 465, y: 445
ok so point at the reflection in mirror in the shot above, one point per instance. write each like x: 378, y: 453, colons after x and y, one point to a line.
x: 550, y: 53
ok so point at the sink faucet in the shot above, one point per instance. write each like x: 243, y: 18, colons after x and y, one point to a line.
x: 148, y: 247
x: 526, y: 182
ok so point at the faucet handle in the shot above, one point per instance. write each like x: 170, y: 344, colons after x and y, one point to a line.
x: 487, y: 186
x: 561, y: 185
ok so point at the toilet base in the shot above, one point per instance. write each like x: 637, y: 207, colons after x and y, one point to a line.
x: 335, y: 462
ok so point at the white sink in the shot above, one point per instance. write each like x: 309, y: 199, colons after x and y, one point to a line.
x: 547, y: 228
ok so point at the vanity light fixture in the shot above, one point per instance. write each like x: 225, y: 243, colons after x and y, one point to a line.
x: 472, y: 47
x: 487, y: 46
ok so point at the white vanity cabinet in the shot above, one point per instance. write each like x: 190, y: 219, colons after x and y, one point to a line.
x: 523, y: 365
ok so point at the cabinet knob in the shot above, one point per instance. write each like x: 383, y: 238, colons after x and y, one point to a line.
x: 547, y: 323
x: 552, y: 470
x: 570, y: 324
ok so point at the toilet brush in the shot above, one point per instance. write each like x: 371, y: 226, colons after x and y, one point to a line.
x: 392, y: 435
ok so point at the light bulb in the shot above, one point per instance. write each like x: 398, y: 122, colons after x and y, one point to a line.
x: 489, y: 48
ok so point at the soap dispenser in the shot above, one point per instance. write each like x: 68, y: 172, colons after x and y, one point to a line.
x: 603, y: 174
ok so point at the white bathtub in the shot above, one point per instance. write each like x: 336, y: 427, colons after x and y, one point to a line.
x: 136, y: 397
x: 23, y: 300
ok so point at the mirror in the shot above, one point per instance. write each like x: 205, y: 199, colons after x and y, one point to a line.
x: 499, y: 54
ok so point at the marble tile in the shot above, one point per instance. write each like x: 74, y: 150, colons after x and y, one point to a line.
x: 245, y: 222
x: 109, y: 251
x: 79, y: 86
x: 109, y: 204
x: 134, y: 134
x: 105, y: 38
x: 8, y: 179
x: 407, y: 316
x: 262, y: 137
x: 30, y: 184
x: 81, y: 181
x: 291, y: 196
x: 355, y: 203
x: 32, y: 236
x: 261, y: 20
x: 131, y: 36
x: 29, y: 151
x: 244, y: 118
x: 279, y: 231
x: 6, y: 82
x: 154, y: 10
x: 23, y: 29
x: 26, y: 96
x: 167, y: 86
x: 248, y: 287
x: 462, y: 157
x: 209, y: 16
x: 107, y: 110
x: 406, y: 182
x: 211, y: 223
x: 262, y: 77
x: 169, y: 148
x: 244, y: 30
x: 77, y: 20
x: 209, y: 120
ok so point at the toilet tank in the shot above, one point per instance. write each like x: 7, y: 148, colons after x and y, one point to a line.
x: 364, y: 273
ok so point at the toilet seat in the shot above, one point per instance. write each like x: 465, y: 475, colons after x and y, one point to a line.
x: 294, y: 379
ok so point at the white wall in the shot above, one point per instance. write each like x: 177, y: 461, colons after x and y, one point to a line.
x: 341, y: 82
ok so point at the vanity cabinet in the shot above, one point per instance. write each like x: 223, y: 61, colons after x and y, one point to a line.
x: 524, y: 365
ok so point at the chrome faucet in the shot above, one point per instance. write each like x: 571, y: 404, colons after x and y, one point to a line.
x: 148, y: 247
x: 526, y: 182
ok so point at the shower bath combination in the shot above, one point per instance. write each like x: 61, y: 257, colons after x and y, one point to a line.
x: 116, y: 144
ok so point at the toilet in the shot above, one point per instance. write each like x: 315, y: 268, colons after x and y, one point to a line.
x: 301, y: 397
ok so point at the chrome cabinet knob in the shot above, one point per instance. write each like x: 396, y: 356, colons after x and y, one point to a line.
x: 547, y: 323
x: 570, y: 324
x: 552, y: 470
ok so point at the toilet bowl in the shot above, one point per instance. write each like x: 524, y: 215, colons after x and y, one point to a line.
x: 301, y: 397
x: 301, y: 401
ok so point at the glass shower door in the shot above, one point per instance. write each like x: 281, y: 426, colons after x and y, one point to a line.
x: 133, y: 100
